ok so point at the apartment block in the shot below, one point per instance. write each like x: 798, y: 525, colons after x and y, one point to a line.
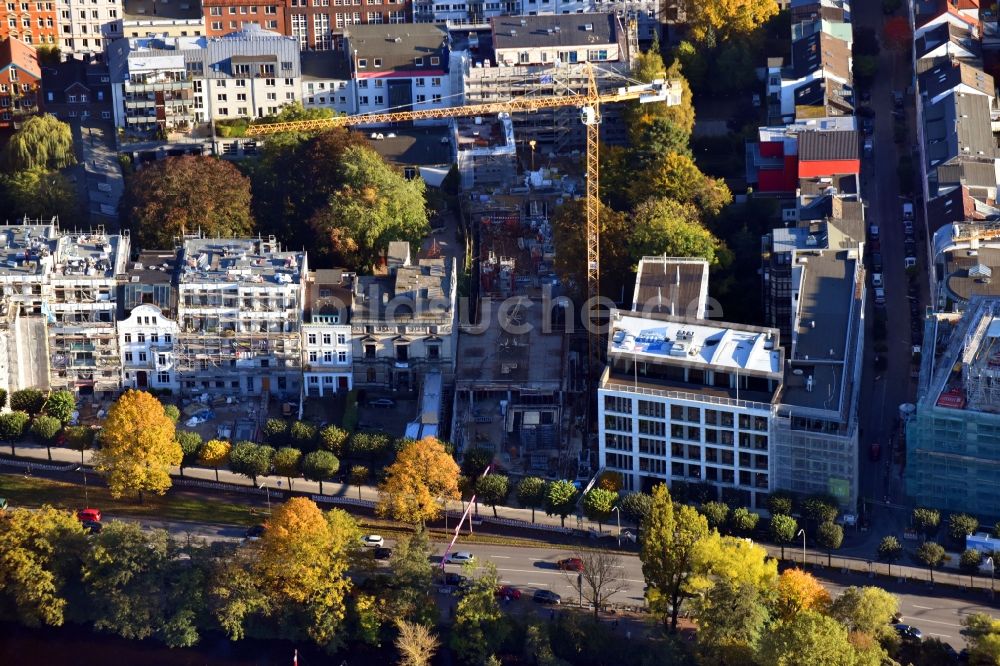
x: 222, y: 17
x: 88, y: 26
x: 322, y: 24
x: 239, y: 308
x: 327, y: 81
x: 326, y: 333
x: 403, y: 323
x: 966, y: 254
x: 20, y: 82
x: 147, y: 322
x: 953, y: 437
x: 547, y: 55
x: 31, y: 22
x: 153, y: 18
x: 683, y: 400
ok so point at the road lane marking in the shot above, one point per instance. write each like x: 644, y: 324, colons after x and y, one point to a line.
x: 924, y: 607
x: 947, y: 624
x: 499, y: 557
x: 930, y: 633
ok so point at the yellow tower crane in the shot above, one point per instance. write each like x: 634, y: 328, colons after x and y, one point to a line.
x: 589, y: 104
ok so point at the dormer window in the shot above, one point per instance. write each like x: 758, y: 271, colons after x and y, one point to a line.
x: 362, y: 63
x: 419, y: 62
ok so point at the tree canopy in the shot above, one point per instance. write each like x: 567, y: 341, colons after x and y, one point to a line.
x: 423, y: 474
x: 185, y: 195
x: 721, y: 20
x: 674, y: 175
x: 493, y: 489
x: 43, y: 142
x: 531, y: 493
x: 251, y: 460
x: 138, y: 447
x: 799, y: 591
x: 665, y: 226
x: 39, y: 193
x: 560, y: 499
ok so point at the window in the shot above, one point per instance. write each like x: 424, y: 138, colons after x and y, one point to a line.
x: 328, y: 357
x: 232, y: 10
x: 142, y: 357
x: 341, y: 339
x: 216, y: 25
x: 363, y: 100
x: 222, y: 97
x: 141, y: 337
x: 241, y: 97
x: 286, y: 66
x: 223, y: 111
x: 313, y: 356
x: 161, y: 359
x: 420, y: 82
x: 435, y: 60
x: 163, y: 377
x: 215, y: 11
x: 369, y: 351
x: 419, y: 62
x: 436, y: 99
x: 342, y: 357
x: 269, y: 82
x: 128, y: 357
x: 271, y: 9
x: 362, y: 63
x: 436, y: 81
x: 379, y: 99
x: 327, y: 339
x: 378, y: 62
x: 272, y: 96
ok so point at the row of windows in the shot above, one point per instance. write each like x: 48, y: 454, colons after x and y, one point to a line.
x: 235, y: 25
x: 328, y: 357
x: 269, y: 9
x: 687, y: 470
x: 162, y: 359
x: 377, y: 62
x: 327, y: 338
x: 656, y: 447
x: 623, y: 405
x: 657, y: 429
x: 25, y: 6
x: 153, y: 337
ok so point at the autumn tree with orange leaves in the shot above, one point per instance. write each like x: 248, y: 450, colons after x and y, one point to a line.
x: 799, y: 591
x: 423, y: 475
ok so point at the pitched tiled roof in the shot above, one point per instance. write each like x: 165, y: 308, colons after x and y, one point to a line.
x: 23, y: 56
x: 839, y: 145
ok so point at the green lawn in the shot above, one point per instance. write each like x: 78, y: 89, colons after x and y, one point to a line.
x: 175, y: 505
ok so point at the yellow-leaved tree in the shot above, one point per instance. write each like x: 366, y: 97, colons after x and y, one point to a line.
x: 302, y: 565
x: 215, y: 453
x: 137, y: 446
x: 718, y: 20
x: 423, y: 474
x: 799, y: 591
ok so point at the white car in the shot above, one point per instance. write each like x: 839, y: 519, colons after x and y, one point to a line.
x: 460, y: 557
x: 373, y: 541
x: 877, y: 280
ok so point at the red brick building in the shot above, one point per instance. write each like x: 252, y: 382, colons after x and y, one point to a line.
x: 20, y: 82
x: 31, y: 22
x: 317, y: 24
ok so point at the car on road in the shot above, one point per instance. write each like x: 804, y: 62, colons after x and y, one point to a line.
x: 383, y: 553
x: 869, y: 147
x: 570, y: 564
x: 546, y: 597
x: 372, y: 541
x: 459, y: 557
x: 254, y: 533
x: 908, y: 210
x: 876, y: 263
x: 509, y: 593
x: 910, y: 249
x: 880, y: 297
x: 868, y: 126
x: 455, y: 580
x: 384, y: 403
x: 89, y: 515
x: 873, y: 232
x: 909, y: 262
x: 877, y: 280
x: 907, y: 631
x: 897, y: 99
x: 92, y: 526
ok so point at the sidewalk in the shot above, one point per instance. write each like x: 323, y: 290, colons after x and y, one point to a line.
x: 347, y: 494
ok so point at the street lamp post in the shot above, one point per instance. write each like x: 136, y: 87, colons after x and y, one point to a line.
x: 267, y: 493
x: 618, y: 514
x: 802, y: 533
x: 992, y: 576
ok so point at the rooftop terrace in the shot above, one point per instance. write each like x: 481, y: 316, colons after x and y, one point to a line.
x: 27, y: 249
x: 227, y: 260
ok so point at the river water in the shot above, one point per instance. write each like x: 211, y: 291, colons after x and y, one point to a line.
x: 79, y: 646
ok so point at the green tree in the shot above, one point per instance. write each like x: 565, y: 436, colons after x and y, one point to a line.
x: 635, y: 506
x: 734, y: 70
x: 806, y: 638
x: 333, y: 439
x: 983, y: 634
x: 137, y: 446
x: 320, y: 466
x: 598, y: 504
x: 650, y: 66
x: 27, y: 400
x: 12, y: 427
x: 475, y: 461
x: 926, y: 521
x: 666, y: 227
x: 671, y: 534
x: 479, y: 624
x: 890, y: 550
x: 675, y: 176
x: 731, y: 620
x: 531, y: 494
x: 3, y: 398
x: 830, y: 536
x: 215, y: 453
x: 43, y: 142
x: 821, y: 509
x: 303, y: 434
x: 79, y: 438
x: 969, y: 562
x: 251, y: 460
x: 275, y: 432
x: 931, y: 554
x: 294, y: 111
x: 45, y: 428
x: 358, y: 477
x: 657, y: 137
x: 190, y: 443
x: 123, y: 575
x: 411, y: 597
x: 369, y: 444
x: 783, y: 529
x: 173, y: 412
x: 286, y: 463
x: 721, y: 21
x: 780, y: 503
x: 183, y: 195
x: 716, y: 513
x: 374, y: 205
x: 961, y: 525
x: 570, y: 236
x: 865, y: 610
x: 694, y: 64
x: 493, y: 489
x: 744, y: 521
x: 560, y: 499
x: 39, y: 556
x: 39, y: 193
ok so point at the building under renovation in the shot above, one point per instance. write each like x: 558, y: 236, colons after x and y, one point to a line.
x: 239, y: 307
x: 953, y: 438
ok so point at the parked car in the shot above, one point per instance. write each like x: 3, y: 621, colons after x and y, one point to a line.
x: 869, y: 147
x: 880, y: 297
x: 875, y: 246
x: 255, y: 532
x: 876, y: 263
x: 89, y: 515
x: 509, y: 593
x: 455, y: 580
x: 908, y: 227
x: 877, y: 280
x: 546, y: 597
x: 868, y: 125
x: 93, y: 526
x: 873, y: 232
x: 907, y: 210
x: 384, y: 403
x: 372, y: 541
x: 459, y: 557
x: 910, y: 248
x: 909, y: 632
x: 570, y: 564
x: 909, y: 262
x: 383, y: 553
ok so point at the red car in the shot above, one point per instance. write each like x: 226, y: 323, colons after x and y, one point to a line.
x: 570, y: 564
x: 89, y: 515
x: 509, y: 593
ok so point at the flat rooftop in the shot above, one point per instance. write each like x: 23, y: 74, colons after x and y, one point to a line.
x: 504, y: 354
x: 485, y: 133
x: 411, y: 293
x: 329, y: 293
x: 153, y: 267
x: 671, y: 285
x: 90, y: 255
x: 27, y: 249
x: 228, y: 260
x: 429, y: 146
x: 147, y: 10
x: 678, y: 341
